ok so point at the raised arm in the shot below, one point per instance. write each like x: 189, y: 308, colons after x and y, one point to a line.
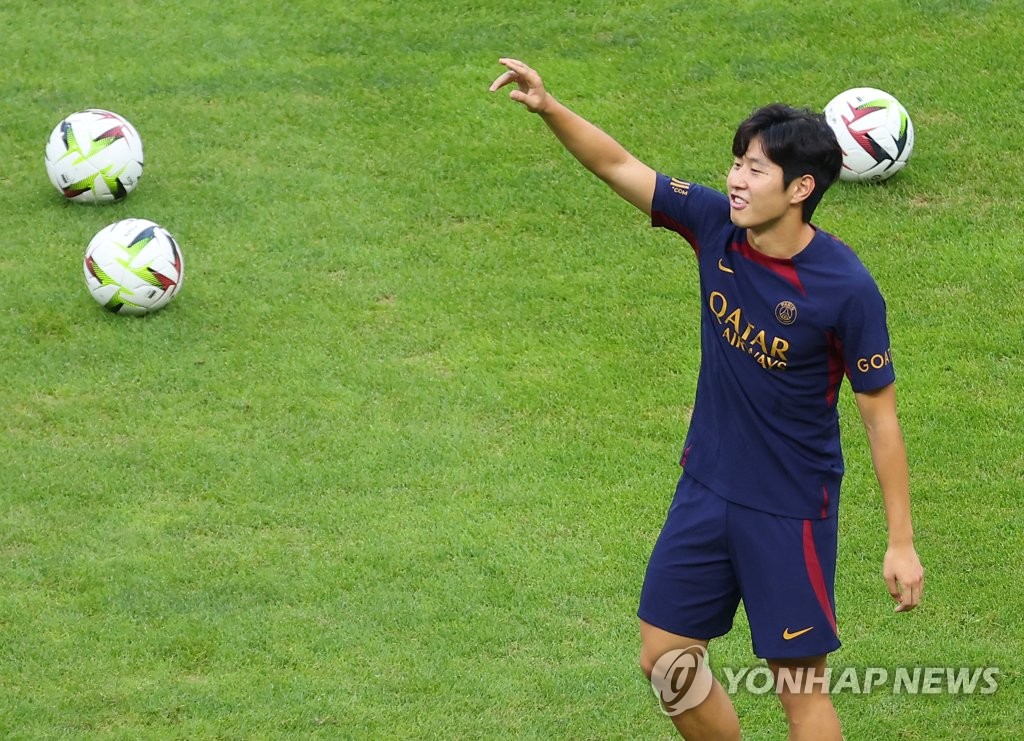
x: 596, y: 150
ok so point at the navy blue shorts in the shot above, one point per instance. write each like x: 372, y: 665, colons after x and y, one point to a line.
x: 712, y: 553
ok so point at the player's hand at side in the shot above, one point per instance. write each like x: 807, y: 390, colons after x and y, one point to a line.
x: 904, y: 576
x: 530, y: 88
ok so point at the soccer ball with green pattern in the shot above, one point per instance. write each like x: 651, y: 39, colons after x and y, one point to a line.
x: 94, y: 156
x: 133, y: 266
x: 875, y: 132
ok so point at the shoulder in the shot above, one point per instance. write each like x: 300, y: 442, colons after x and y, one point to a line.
x: 837, y: 281
x: 684, y: 204
x: 834, y: 258
x: 672, y: 188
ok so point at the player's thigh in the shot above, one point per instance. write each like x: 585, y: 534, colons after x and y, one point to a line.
x: 655, y: 642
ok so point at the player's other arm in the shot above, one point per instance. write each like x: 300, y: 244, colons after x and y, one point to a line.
x: 596, y: 150
x: 902, y: 568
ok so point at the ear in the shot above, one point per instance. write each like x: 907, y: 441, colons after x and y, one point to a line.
x: 801, y: 189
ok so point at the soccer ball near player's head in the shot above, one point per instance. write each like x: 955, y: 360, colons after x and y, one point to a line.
x: 94, y: 156
x: 875, y: 132
x: 133, y: 266
x: 797, y: 140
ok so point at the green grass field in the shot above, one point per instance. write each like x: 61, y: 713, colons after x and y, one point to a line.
x: 391, y: 464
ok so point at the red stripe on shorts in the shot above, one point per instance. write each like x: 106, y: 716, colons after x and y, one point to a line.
x: 816, y: 577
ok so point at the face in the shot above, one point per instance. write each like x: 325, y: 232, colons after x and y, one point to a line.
x: 757, y: 199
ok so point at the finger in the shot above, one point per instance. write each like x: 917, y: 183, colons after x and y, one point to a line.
x: 520, y: 69
x: 911, y: 597
x: 513, y: 64
x: 909, y: 601
x: 894, y: 588
x: 502, y: 80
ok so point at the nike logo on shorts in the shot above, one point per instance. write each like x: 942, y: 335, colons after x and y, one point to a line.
x: 788, y: 636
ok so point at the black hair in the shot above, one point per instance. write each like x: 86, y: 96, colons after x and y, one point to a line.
x: 799, y: 141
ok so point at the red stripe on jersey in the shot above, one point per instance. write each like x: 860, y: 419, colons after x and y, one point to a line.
x: 664, y: 220
x: 836, y: 366
x: 784, y: 268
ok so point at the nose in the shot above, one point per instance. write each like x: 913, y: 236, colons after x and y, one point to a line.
x: 736, y: 178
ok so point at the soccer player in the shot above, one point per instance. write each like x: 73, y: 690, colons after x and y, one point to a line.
x: 786, y: 311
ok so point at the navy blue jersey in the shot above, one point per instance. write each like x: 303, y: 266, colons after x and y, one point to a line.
x: 777, y: 337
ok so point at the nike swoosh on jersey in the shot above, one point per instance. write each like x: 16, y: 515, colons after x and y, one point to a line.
x: 721, y: 266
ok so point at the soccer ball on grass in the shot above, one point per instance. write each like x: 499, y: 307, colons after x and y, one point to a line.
x: 133, y: 266
x: 94, y: 156
x: 875, y: 132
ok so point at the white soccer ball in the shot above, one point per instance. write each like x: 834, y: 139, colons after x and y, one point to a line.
x: 133, y: 266
x: 875, y: 132
x: 94, y: 156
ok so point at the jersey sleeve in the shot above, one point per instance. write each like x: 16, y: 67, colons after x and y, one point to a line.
x: 689, y: 209
x: 864, y: 334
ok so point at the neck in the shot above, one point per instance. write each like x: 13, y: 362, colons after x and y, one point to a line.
x: 780, y: 240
